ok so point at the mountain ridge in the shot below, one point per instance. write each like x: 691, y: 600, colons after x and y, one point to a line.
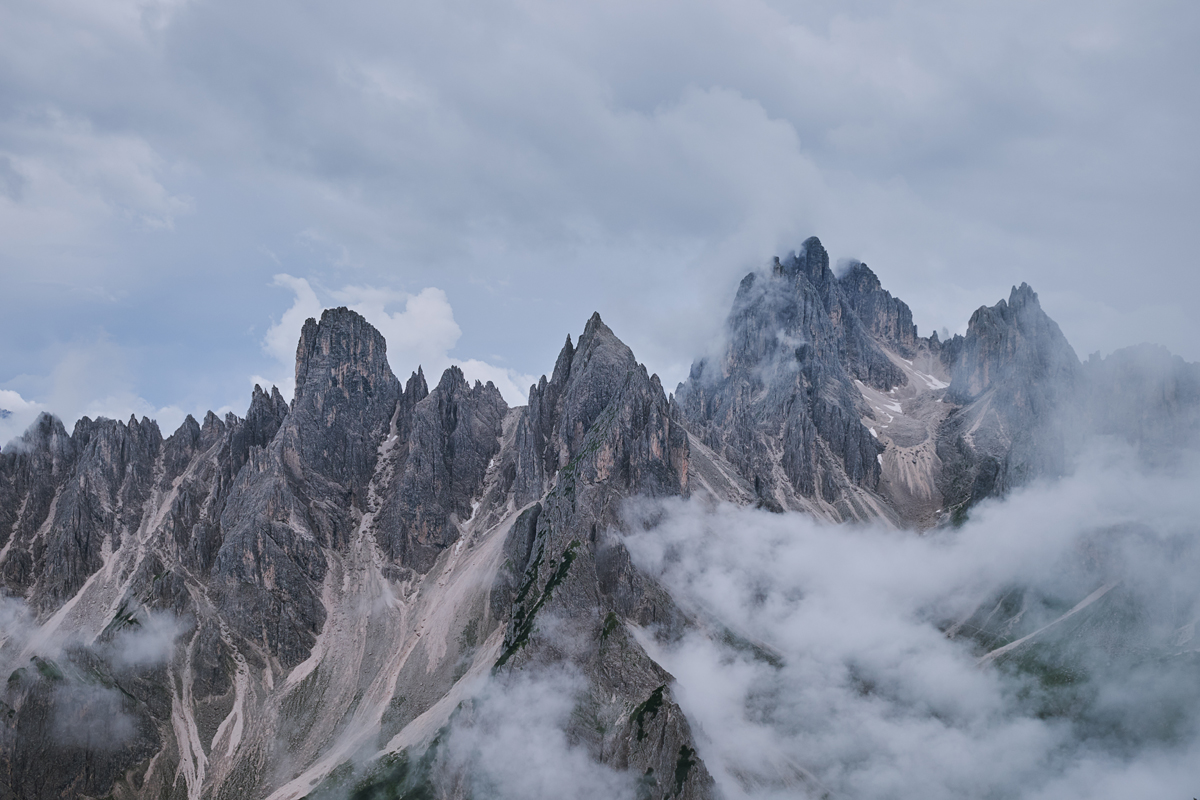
x: 337, y: 570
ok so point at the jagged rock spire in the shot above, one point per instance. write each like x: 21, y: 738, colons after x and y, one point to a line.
x: 345, y: 397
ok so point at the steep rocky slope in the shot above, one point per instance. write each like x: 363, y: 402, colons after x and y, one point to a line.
x: 328, y: 577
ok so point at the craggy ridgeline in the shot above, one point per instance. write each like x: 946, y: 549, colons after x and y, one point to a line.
x: 304, y: 601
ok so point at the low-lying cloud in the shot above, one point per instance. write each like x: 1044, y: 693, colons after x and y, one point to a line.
x: 510, y: 742
x: 78, y: 687
x: 847, y: 659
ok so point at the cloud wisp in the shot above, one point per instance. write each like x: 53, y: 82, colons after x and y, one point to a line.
x: 80, y: 684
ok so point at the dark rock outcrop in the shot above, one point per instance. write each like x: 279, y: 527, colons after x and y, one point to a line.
x: 305, y: 490
x: 31, y: 475
x: 345, y: 397
x: 561, y: 410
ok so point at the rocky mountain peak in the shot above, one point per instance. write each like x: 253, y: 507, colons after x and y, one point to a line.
x: 189, y: 428
x: 887, y: 318
x: 266, y: 413
x: 46, y: 433
x: 811, y: 261
x: 1014, y: 339
x: 344, y: 569
x: 1023, y: 295
x: 1012, y: 374
x: 342, y: 353
x: 782, y: 400
x: 346, y: 395
x: 598, y: 341
x: 858, y: 275
x: 562, y: 366
x: 453, y: 380
x: 416, y: 388
x: 586, y: 378
x: 446, y: 441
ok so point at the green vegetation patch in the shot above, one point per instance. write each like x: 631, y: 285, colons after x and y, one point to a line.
x: 744, y: 645
x: 125, y: 617
x: 394, y: 777
x: 683, y: 766
x: 469, y: 638
x: 647, y: 710
x: 523, y: 620
x: 50, y: 671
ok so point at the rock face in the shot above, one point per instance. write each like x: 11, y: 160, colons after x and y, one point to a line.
x: 1012, y: 374
x: 825, y: 398
x: 346, y: 395
x: 599, y: 431
x: 782, y: 403
x: 562, y: 410
x: 453, y: 433
x: 318, y: 562
x: 251, y: 607
x: 887, y: 318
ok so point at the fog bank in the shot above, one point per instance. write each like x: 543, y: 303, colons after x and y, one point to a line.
x: 852, y: 661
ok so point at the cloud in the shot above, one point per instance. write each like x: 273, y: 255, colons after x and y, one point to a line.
x: 93, y: 379
x: 82, y: 706
x: 16, y: 624
x: 90, y: 717
x: 64, y: 183
x: 510, y: 742
x: 283, y: 336
x: 16, y: 415
x: 148, y: 643
x: 840, y: 675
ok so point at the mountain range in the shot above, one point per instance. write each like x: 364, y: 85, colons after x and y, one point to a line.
x: 305, y: 601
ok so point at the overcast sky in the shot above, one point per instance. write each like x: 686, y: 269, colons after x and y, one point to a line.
x: 182, y: 182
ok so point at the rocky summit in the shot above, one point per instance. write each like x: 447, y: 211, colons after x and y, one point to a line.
x: 302, y: 602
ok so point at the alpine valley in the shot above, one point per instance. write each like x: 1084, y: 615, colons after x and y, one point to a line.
x: 368, y: 591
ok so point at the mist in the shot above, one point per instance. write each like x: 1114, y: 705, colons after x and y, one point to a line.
x: 510, y: 742
x: 81, y: 686
x: 853, y: 661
